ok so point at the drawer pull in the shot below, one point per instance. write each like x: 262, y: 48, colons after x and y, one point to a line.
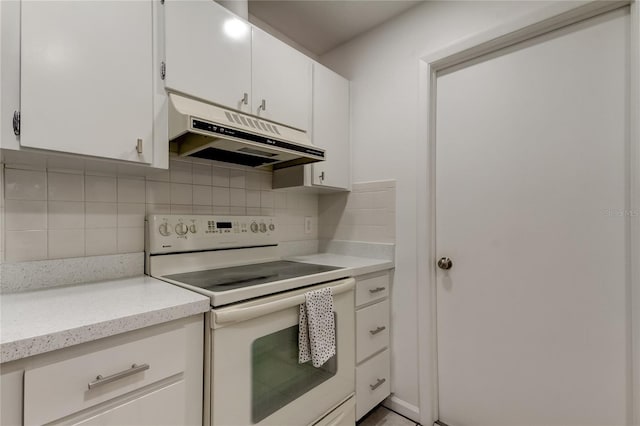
x: 378, y: 383
x: 121, y: 375
x: 377, y: 330
x: 376, y: 290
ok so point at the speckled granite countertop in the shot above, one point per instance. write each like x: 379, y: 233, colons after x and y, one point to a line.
x: 34, y: 322
x: 356, y: 265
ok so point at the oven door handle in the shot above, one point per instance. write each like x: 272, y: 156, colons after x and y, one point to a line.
x: 250, y: 312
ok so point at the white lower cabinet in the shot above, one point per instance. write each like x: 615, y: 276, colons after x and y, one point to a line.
x: 151, y: 376
x: 373, y: 365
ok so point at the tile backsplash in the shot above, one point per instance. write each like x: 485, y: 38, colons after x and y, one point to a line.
x: 367, y: 213
x: 53, y: 213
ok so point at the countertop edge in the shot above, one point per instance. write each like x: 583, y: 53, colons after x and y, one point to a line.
x: 20, y: 349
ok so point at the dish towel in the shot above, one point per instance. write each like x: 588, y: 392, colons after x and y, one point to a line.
x: 317, y: 329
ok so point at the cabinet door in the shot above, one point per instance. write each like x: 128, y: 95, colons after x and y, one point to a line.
x: 86, y: 77
x: 208, y: 53
x: 331, y: 128
x: 282, y: 79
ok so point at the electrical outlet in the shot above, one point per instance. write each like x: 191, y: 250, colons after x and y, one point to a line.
x: 307, y: 224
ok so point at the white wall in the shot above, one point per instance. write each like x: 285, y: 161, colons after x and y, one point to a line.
x: 383, y: 68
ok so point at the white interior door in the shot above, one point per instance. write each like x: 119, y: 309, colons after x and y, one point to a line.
x: 532, y: 178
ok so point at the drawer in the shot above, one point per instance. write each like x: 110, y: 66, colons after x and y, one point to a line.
x: 372, y: 329
x: 372, y: 383
x: 372, y: 287
x: 61, y: 388
x: 343, y: 415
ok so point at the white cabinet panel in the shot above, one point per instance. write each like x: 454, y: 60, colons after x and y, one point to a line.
x: 372, y: 382
x: 370, y: 288
x: 372, y: 329
x: 282, y: 79
x: 208, y: 53
x: 331, y: 128
x: 86, y: 78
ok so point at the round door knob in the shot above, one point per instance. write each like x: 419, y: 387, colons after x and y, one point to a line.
x: 445, y: 263
x: 181, y: 229
x: 164, y: 229
x: 254, y: 227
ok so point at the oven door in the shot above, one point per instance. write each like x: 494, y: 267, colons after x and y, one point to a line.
x: 255, y: 377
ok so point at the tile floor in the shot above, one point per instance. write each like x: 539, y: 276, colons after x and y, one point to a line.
x: 382, y: 416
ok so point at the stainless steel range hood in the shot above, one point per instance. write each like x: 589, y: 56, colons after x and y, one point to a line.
x: 203, y: 130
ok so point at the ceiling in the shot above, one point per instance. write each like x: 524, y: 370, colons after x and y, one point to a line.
x: 321, y: 25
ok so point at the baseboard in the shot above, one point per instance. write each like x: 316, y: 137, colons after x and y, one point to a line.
x: 403, y: 408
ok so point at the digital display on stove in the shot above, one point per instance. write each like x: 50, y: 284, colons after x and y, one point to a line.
x: 223, y: 225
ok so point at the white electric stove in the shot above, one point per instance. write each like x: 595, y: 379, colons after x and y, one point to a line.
x: 252, y: 374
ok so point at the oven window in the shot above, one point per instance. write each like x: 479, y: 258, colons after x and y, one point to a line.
x: 277, y: 378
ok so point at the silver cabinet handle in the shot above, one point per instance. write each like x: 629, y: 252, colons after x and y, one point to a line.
x: 321, y: 176
x: 376, y: 290
x: 139, y: 146
x: 263, y: 106
x: 378, y: 383
x: 245, y: 99
x: 377, y: 330
x: 99, y: 381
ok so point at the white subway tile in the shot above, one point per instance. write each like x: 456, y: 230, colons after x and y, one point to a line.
x: 202, y: 210
x: 159, y: 176
x: 220, y: 196
x: 158, y: 192
x: 181, y: 193
x: 25, y: 185
x: 253, y: 198
x: 181, y: 172
x: 130, y: 240
x: 238, y: 197
x: 131, y: 215
x: 202, y: 174
x: 158, y: 208
x: 65, y: 243
x: 202, y: 195
x: 237, y: 178
x: 25, y: 215
x: 226, y: 210
x: 65, y: 186
x: 220, y: 176
x: 101, y: 189
x: 252, y: 180
x: 267, y: 199
x: 235, y: 210
x: 280, y: 200
x: 267, y: 212
x: 181, y: 209
x: 254, y: 211
x: 25, y: 245
x: 66, y: 215
x: 101, y: 241
x: 266, y: 181
x: 100, y: 215
x: 131, y: 190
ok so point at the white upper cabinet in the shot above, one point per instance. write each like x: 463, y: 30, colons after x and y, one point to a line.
x: 281, y: 82
x: 208, y: 53
x: 331, y: 128
x: 86, y: 82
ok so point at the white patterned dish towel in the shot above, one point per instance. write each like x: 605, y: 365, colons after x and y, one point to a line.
x: 317, y: 329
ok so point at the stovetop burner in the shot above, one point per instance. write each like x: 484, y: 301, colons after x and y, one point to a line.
x: 224, y: 279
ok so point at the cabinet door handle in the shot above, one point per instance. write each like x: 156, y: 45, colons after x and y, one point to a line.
x: 263, y: 106
x: 321, y: 176
x: 245, y: 99
x: 139, y: 146
x: 376, y: 290
x: 377, y: 330
x: 99, y: 381
x: 377, y: 384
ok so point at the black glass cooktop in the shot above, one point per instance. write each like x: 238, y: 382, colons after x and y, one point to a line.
x: 248, y: 275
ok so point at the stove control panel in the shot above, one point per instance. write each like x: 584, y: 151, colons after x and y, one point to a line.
x: 180, y: 233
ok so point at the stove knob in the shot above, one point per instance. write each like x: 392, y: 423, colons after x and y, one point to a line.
x: 254, y: 227
x: 192, y: 228
x: 263, y: 228
x: 164, y: 229
x: 181, y: 229
x: 272, y: 227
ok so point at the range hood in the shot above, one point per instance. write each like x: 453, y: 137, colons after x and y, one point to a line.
x: 204, y: 130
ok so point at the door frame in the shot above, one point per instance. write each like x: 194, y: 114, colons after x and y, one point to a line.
x: 529, y: 26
